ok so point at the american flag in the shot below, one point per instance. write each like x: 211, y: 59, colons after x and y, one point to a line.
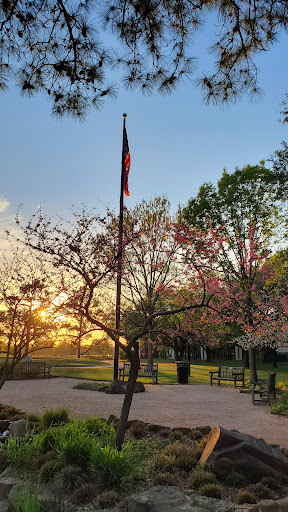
x: 126, y: 162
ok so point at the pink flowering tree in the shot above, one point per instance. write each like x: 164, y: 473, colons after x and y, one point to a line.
x: 84, y: 255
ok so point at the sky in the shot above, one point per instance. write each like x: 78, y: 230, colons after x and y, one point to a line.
x: 176, y: 143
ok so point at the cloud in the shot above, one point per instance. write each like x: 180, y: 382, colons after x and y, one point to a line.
x: 3, y: 204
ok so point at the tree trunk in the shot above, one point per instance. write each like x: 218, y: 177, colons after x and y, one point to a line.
x: 121, y: 429
x: 150, y: 350
x: 275, y: 359
x: 209, y: 354
x: 246, y: 358
x: 252, y: 365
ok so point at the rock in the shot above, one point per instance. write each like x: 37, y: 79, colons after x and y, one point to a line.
x: 19, y: 428
x: 157, y: 428
x: 204, y: 430
x: 233, y: 451
x: 4, y: 506
x: 183, y: 430
x: 209, y: 504
x: 4, y: 424
x: 7, y: 484
x: 271, y: 506
x: 119, y: 388
x: 170, y: 499
x: 159, y: 499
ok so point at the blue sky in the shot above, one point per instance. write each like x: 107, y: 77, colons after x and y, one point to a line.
x: 176, y: 143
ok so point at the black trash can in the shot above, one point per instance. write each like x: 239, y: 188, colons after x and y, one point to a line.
x: 182, y: 372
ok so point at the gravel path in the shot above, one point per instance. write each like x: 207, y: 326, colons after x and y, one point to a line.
x: 174, y: 406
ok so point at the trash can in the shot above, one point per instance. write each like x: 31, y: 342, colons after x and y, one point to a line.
x: 182, y: 372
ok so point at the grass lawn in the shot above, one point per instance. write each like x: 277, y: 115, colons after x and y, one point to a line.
x: 70, y: 361
x: 168, y: 375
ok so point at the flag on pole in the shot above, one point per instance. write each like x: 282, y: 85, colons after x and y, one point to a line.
x: 126, y: 162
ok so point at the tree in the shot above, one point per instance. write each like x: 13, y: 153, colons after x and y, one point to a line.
x: 28, y: 319
x: 243, y: 215
x: 87, y: 251
x: 57, y: 47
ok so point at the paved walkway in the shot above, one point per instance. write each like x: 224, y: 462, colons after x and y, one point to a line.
x: 174, y: 406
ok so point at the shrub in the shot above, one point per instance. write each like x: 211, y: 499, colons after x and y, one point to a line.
x: 97, y: 427
x: 22, y: 452
x: 114, y: 466
x: 185, y: 456
x: 201, y: 445
x: 162, y: 462
x: 137, y: 430
x: 34, y: 421
x: 74, y: 446
x: 107, y: 499
x: 55, y: 417
x: 49, y: 471
x: 69, y: 477
x: 195, y: 434
x: 200, y: 477
x: 210, y: 490
x: 271, y: 482
x: 85, y: 493
x: 28, y: 502
x: 164, y: 479
x: 91, y: 386
x: 245, y: 497
x: 235, y: 479
x: 261, y: 491
x: 281, y: 405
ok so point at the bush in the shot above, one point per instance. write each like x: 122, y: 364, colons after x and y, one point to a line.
x: 245, y: 497
x: 70, y: 477
x: 91, y: 386
x: 28, y: 501
x: 107, y: 499
x: 200, y: 477
x: 74, y: 446
x: 162, y: 462
x: 49, y: 471
x: 185, y: 455
x: 210, y: 490
x: 271, y: 482
x: 261, y: 491
x: 164, y: 479
x: 22, y: 452
x: 85, y: 493
x: 114, y: 466
x: 281, y: 405
x: 55, y: 417
x: 235, y: 479
x: 137, y: 430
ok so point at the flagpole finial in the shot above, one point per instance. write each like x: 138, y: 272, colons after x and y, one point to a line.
x: 124, y: 115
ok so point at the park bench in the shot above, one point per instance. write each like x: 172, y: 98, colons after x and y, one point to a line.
x: 145, y: 370
x: 264, y: 388
x: 31, y: 369
x: 228, y: 373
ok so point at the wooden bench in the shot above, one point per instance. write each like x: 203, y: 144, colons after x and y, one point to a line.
x: 145, y: 370
x: 264, y: 388
x: 32, y: 368
x: 228, y: 373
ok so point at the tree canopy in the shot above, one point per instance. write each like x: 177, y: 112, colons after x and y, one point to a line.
x: 59, y: 48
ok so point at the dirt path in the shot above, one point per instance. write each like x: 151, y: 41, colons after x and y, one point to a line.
x: 174, y: 406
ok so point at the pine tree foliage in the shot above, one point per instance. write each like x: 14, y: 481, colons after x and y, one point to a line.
x: 56, y: 46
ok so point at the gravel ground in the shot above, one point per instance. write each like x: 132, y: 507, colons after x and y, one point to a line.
x: 173, y: 406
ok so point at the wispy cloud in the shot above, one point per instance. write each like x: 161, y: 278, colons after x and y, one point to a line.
x: 3, y: 204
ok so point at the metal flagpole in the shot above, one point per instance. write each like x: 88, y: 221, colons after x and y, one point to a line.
x: 120, y: 254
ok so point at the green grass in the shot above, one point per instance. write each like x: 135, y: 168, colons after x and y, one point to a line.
x: 168, y: 374
x: 62, y: 362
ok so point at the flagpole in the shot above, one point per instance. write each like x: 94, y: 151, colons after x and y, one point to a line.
x: 119, y: 257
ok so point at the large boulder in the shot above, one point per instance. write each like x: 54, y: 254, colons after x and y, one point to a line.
x: 230, y: 450
x: 170, y: 499
x: 19, y: 428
